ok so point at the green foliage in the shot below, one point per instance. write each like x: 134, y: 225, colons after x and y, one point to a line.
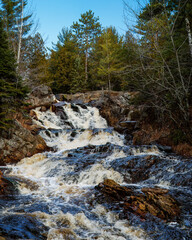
x: 11, y: 92
x: 162, y: 73
x: 17, y: 24
x: 110, y: 58
x: 35, y: 60
x: 86, y: 30
x: 65, y: 63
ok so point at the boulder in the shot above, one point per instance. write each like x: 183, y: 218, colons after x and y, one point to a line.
x: 7, y: 188
x: 20, y: 143
x: 155, y: 201
x: 113, y: 190
x: 41, y: 96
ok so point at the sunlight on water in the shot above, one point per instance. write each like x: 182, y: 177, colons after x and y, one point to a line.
x: 60, y: 184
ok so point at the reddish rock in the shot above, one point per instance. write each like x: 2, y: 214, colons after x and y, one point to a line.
x: 113, y: 190
x: 154, y: 201
x: 6, y: 187
x: 19, y: 144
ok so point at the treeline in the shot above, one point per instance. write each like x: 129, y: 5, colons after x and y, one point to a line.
x: 154, y: 57
x: 163, y: 72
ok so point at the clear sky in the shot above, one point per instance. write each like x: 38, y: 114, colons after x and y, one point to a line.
x: 53, y: 15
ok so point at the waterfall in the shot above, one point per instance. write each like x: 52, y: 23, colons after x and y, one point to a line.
x: 58, y: 186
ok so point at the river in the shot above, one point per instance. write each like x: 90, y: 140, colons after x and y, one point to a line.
x: 57, y: 197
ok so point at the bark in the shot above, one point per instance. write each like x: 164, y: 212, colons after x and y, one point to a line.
x: 86, y: 62
x: 20, y: 29
x: 189, y: 34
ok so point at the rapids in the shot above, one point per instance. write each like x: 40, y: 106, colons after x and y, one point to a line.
x: 57, y: 198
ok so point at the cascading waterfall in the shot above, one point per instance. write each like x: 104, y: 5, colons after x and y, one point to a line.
x: 57, y: 188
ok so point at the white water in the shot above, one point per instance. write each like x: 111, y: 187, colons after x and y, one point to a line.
x: 64, y: 179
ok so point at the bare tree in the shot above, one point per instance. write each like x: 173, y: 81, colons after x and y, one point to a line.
x: 165, y: 73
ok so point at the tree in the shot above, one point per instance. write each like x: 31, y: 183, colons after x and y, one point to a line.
x: 110, y: 62
x: 17, y: 24
x: 164, y: 65
x: 86, y: 30
x: 11, y: 92
x: 35, y: 60
x: 65, y: 62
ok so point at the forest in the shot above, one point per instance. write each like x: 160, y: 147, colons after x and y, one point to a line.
x: 153, y: 58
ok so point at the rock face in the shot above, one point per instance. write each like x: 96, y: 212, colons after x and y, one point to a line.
x: 41, y: 96
x: 154, y: 201
x: 22, y: 143
x: 22, y: 140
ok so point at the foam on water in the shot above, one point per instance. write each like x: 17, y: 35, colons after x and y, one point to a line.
x: 63, y: 181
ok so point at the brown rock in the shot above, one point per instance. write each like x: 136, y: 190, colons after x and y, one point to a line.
x: 6, y: 186
x: 154, y: 201
x: 21, y: 143
x: 113, y: 190
x: 40, y: 96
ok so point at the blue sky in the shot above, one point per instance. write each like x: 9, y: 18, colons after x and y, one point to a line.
x: 53, y: 15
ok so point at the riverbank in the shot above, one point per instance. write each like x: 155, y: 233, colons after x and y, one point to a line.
x: 116, y: 107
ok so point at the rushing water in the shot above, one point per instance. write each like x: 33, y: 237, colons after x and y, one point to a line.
x: 57, y: 198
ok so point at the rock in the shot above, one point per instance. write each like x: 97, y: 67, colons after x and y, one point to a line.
x: 154, y: 201
x: 113, y: 190
x: 7, y: 188
x: 57, y: 108
x: 22, y: 227
x: 21, y: 143
x: 140, y: 168
x: 41, y: 96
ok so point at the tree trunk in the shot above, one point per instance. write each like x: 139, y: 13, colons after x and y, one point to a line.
x: 189, y: 34
x: 20, y: 30
x: 86, y: 63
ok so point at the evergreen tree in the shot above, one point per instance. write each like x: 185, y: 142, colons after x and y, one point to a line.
x: 63, y: 62
x: 17, y: 25
x: 11, y: 92
x: 164, y: 64
x: 86, y: 30
x: 35, y: 60
x: 108, y: 53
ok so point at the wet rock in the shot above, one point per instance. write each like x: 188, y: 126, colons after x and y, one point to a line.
x: 154, y: 201
x: 7, y: 187
x: 113, y: 190
x: 57, y: 108
x: 40, y: 96
x: 22, y: 227
x: 19, y: 144
x: 140, y: 168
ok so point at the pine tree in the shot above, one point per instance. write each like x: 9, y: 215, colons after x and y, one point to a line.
x: 35, y: 60
x: 11, y: 92
x: 62, y: 66
x: 17, y: 24
x: 86, y: 30
x: 110, y: 58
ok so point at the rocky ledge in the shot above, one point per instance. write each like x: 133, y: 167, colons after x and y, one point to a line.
x: 7, y: 187
x: 22, y: 139
x: 140, y: 202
